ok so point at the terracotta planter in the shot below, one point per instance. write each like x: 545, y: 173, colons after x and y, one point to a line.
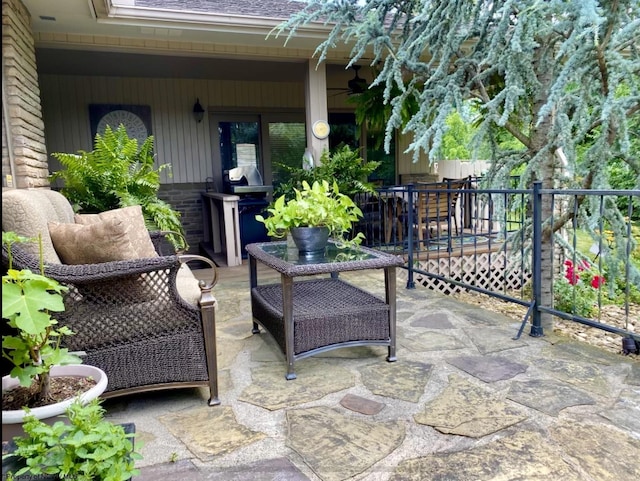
x: 12, y: 420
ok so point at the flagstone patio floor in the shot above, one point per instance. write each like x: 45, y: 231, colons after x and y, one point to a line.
x: 464, y: 401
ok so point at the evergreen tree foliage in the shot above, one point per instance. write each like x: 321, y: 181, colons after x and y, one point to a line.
x: 561, y: 77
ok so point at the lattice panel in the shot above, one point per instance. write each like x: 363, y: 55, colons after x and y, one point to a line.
x: 493, y: 272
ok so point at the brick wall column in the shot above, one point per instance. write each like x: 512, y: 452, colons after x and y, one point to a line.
x: 24, y: 154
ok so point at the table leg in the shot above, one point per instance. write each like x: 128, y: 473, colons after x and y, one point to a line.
x: 390, y: 295
x: 287, y: 314
x: 253, y: 282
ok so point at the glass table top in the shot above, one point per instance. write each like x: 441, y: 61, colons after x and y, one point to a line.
x: 330, y: 255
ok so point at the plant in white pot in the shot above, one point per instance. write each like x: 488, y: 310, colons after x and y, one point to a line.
x: 45, y: 376
x: 317, y: 212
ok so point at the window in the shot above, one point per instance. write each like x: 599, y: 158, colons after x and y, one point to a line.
x: 287, y: 141
x: 343, y: 131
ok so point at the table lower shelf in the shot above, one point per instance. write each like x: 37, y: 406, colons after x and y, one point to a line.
x: 327, y: 314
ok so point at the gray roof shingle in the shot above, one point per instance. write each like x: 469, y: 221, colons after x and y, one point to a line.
x: 280, y: 9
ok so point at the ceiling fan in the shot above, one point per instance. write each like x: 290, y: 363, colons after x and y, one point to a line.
x: 355, y: 86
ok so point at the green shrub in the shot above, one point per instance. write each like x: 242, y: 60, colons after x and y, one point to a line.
x: 86, y: 448
x: 116, y: 173
x: 344, y: 166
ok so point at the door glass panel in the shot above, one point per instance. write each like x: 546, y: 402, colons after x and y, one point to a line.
x: 287, y: 142
x: 343, y: 131
x: 239, y: 144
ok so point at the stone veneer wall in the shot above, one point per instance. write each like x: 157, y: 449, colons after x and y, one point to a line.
x: 23, y: 142
x: 186, y: 199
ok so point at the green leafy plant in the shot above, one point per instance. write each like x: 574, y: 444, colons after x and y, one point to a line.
x: 33, y: 342
x: 88, y: 447
x: 116, y: 173
x: 344, y: 167
x: 317, y: 205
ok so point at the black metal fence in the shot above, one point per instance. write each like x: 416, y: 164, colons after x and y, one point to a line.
x: 456, y: 235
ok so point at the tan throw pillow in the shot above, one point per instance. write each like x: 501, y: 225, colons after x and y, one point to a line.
x: 133, y: 218
x: 93, y: 243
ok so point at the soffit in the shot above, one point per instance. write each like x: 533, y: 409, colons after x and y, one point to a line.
x: 188, y: 26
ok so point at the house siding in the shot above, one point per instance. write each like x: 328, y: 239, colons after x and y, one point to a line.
x: 178, y: 139
x: 23, y: 143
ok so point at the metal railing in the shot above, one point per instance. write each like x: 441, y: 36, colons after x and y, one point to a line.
x: 489, y: 241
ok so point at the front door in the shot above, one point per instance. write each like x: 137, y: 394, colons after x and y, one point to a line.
x: 236, y: 143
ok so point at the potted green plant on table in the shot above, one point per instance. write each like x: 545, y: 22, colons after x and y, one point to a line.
x: 87, y: 447
x: 317, y: 212
x: 45, y: 376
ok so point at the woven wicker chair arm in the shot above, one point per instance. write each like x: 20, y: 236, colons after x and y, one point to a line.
x: 186, y: 258
x: 77, y: 274
x: 90, y: 272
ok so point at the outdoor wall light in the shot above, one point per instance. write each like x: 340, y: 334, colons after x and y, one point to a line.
x: 198, y: 111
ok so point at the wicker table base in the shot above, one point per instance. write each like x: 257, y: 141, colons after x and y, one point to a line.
x: 327, y: 314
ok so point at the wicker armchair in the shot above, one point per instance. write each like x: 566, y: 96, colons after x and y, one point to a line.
x: 148, y: 323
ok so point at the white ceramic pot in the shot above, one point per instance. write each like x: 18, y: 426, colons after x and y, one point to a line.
x: 12, y: 420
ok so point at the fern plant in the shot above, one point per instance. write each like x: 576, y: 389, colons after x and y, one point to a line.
x: 344, y: 166
x: 116, y: 173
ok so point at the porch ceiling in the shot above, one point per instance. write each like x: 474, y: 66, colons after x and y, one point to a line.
x: 106, y: 64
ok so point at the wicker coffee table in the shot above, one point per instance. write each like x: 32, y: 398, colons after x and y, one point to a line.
x: 315, y: 315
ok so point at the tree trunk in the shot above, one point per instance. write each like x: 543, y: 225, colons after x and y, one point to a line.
x: 547, y: 174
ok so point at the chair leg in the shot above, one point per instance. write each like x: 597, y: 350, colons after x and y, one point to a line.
x: 208, y: 313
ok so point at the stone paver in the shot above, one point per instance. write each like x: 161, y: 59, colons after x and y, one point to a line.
x: 431, y: 341
x: 272, y: 391
x: 210, y: 432
x: 433, y: 321
x: 465, y: 409
x: 634, y: 375
x: 489, y: 341
x: 581, y: 374
x: 548, y: 396
x: 463, y: 402
x: 361, y: 405
x: 624, y: 412
x: 488, y: 369
x: 525, y: 455
x: 603, y: 452
x: 355, y: 444
x: 400, y: 380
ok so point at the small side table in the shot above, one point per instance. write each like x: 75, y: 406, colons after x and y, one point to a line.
x: 307, y: 317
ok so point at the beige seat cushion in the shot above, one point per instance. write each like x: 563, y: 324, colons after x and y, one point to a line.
x: 92, y: 243
x: 115, y: 235
x: 187, y: 285
x: 136, y: 228
x: 27, y: 212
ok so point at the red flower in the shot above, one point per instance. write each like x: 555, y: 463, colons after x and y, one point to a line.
x: 583, y: 265
x: 597, y: 282
x: 571, y: 276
